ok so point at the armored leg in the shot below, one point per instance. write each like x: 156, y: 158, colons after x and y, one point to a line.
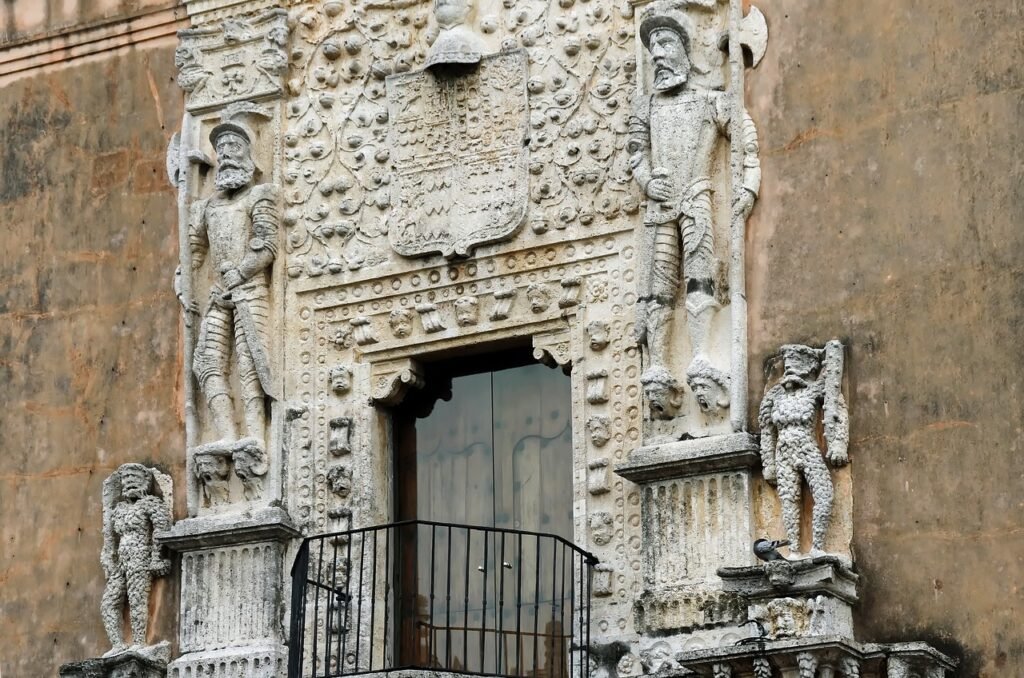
x: 253, y: 394
x: 698, y: 269
x: 210, y: 365
x: 822, y: 491
x: 139, y: 583
x: 664, y: 289
x: 110, y: 609
x: 788, y: 487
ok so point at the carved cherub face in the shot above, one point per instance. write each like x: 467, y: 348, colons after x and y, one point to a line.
x: 235, y: 167
x: 248, y: 461
x: 671, y: 64
x: 451, y: 12
x: 602, y: 527
x: 597, y: 331
x: 539, y: 297
x: 341, y: 379
x: 401, y: 323
x: 707, y: 394
x: 467, y: 311
x: 600, y: 430
x: 339, y: 479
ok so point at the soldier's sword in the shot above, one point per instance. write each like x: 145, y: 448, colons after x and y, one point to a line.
x: 259, y: 355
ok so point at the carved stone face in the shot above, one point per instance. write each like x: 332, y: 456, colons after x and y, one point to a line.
x: 597, y: 331
x: 341, y: 379
x: 539, y: 297
x: 211, y: 467
x: 401, y: 323
x: 339, y: 479
x: 602, y: 528
x: 235, y: 167
x: 710, y: 396
x: 134, y: 483
x: 467, y: 311
x: 663, y: 398
x: 451, y: 12
x: 800, y: 362
x: 671, y: 64
x: 248, y: 461
x: 600, y: 430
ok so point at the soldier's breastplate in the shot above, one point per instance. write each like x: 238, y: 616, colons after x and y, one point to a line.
x: 227, y: 226
x: 679, y: 137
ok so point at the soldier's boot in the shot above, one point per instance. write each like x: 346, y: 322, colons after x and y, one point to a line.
x: 700, y: 310
x: 256, y: 419
x: 223, y: 413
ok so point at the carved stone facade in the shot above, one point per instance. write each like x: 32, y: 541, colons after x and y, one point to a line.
x: 364, y: 187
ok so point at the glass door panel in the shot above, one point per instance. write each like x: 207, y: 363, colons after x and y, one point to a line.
x: 496, y: 453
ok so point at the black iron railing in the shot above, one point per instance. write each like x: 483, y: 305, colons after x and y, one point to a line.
x: 442, y: 597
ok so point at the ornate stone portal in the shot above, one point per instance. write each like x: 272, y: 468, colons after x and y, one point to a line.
x: 364, y: 186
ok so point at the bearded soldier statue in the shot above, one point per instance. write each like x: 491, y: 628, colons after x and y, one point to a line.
x: 237, y: 227
x: 675, y: 134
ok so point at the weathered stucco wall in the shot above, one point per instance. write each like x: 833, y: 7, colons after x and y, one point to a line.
x: 89, y: 345
x: 21, y: 18
x: 890, y: 215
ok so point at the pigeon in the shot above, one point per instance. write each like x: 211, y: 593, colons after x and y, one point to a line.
x: 767, y: 550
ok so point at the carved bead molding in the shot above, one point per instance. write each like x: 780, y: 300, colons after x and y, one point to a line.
x: 238, y: 60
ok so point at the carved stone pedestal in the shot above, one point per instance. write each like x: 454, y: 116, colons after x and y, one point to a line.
x: 232, y: 603
x: 801, y: 598
x: 825, y: 657
x: 149, y: 662
x: 696, y: 512
x: 800, y: 614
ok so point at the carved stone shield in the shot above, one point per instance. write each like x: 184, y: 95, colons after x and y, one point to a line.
x: 458, y: 141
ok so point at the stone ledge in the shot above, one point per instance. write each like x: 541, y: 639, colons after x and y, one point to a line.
x: 691, y: 457
x: 127, y: 664
x: 190, y: 534
x: 819, y: 575
x: 786, y: 655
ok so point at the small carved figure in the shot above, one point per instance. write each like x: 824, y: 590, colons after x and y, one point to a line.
x: 340, y: 441
x: 211, y: 467
x: 457, y: 42
x: 467, y: 311
x: 658, y: 657
x: 238, y: 227
x: 339, y: 480
x: 400, y: 321
x: 664, y: 394
x: 789, y: 446
x: 341, y: 379
x: 136, y: 504
x: 602, y: 527
x: 250, y: 467
x: 710, y: 386
x: 539, y: 297
x: 597, y: 387
x: 599, y: 427
x: 675, y: 136
x: 597, y: 333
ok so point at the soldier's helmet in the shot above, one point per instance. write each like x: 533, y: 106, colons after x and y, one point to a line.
x: 659, y: 21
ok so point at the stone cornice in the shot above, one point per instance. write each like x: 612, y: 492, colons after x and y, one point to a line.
x: 64, y: 45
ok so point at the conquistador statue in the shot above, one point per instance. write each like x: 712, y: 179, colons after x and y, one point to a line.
x: 237, y: 227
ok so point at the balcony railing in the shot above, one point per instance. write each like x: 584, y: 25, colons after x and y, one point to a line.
x: 440, y: 597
